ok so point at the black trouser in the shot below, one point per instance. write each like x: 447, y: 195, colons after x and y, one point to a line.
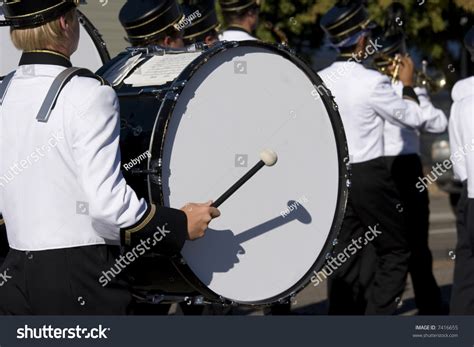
x: 370, y: 282
x: 62, y: 282
x: 462, y: 295
x: 406, y: 171
x: 3, y: 243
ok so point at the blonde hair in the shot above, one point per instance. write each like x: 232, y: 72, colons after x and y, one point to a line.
x: 41, y: 37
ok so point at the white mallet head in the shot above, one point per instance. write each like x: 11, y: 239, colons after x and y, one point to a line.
x: 269, y: 157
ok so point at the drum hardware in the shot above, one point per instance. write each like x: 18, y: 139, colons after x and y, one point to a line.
x: 148, y: 91
x: 287, y: 48
x: 125, y: 125
x: 267, y: 158
x: 335, y: 242
x: 149, y: 50
x: 172, y: 96
x: 156, y: 299
x: 144, y: 172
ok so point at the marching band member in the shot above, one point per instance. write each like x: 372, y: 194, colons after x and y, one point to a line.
x: 153, y: 22
x: 241, y: 18
x: 66, y: 204
x: 205, y: 27
x: 366, y: 100
x: 402, y: 154
x: 461, y: 138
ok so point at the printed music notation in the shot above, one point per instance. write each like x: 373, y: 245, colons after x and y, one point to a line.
x: 160, y: 70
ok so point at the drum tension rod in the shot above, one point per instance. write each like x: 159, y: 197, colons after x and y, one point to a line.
x: 144, y: 172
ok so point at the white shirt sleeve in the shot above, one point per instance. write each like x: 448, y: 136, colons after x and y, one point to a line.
x: 435, y: 121
x: 394, y: 109
x: 95, y: 145
x: 458, y: 157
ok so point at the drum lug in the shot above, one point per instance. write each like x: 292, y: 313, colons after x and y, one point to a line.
x: 286, y: 48
x: 225, y: 302
x: 172, y: 96
x: 181, y: 84
x: 199, y: 300
x: 335, y: 242
x: 144, y: 172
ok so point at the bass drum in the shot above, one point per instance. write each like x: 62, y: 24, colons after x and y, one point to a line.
x: 91, y: 53
x: 202, y: 118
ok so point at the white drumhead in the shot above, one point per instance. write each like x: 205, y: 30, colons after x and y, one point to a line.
x: 86, y: 56
x: 242, y: 101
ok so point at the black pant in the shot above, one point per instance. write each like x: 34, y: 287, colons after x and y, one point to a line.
x: 62, y: 282
x: 406, y: 171
x: 372, y: 280
x: 462, y: 295
x: 3, y: 243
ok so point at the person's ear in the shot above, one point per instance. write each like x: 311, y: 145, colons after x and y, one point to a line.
x: 167, y: 41
x: 209, y: 40
x: 361, y: 43
x: 64, y: 23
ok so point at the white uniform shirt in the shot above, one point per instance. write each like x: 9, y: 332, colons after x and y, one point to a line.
x: 236, y: 35
x: 461, y: 132
x: 60, y: 181
x: 366, y: 100
x: 401, y: 140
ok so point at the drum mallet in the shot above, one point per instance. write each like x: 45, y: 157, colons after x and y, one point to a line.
x: 267, y: 158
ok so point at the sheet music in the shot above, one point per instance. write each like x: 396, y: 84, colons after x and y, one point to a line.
x: 120, y: 71
x: 161, y: 69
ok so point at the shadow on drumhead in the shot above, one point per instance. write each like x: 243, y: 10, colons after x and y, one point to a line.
x: 224, y: 246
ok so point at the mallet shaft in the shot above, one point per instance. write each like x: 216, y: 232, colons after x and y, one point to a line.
x: 238, y: 184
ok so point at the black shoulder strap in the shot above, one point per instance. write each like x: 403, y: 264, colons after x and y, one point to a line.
x: 59, y: 83
x: 4, y: 86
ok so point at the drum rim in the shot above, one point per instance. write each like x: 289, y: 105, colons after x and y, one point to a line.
x: 164, y: 115
x: 96, y: 37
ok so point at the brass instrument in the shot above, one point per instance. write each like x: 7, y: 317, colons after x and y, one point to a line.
x: 390, y: 66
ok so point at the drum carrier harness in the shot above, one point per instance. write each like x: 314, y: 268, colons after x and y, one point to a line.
x: 53, y: 93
